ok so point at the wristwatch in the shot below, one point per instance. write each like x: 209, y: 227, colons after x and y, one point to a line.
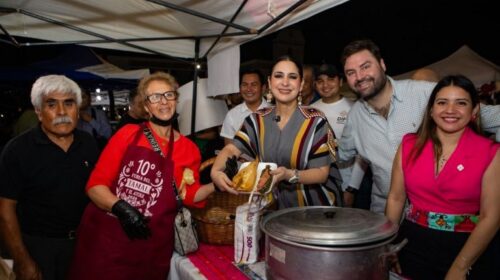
x: 351, y: 190
x: 295, y: 178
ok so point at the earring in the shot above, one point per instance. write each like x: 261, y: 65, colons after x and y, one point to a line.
x: 474, y: 117
x: 299, y: 99
x: 269, y: 96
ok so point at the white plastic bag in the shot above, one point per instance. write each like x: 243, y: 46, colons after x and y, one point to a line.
x: 247, y: 232
x: 6, y: 271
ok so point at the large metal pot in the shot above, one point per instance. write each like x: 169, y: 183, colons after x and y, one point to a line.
x: 327, y: 243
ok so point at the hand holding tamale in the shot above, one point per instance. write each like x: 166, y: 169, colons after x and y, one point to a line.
x: 246, y: 177
x: 187, y: 178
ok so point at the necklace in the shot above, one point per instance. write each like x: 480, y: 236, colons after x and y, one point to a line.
x: 440, y: 164
x: 446, y: 153
x: 442, y: 161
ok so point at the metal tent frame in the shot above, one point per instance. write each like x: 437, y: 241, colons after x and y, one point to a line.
x: 132, y: 43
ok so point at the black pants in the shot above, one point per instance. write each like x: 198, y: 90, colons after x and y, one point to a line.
x: 53, y: 255
x: 363, y: 198
x: 430, y: 253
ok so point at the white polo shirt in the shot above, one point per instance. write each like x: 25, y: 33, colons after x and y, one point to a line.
x: 235, y: 117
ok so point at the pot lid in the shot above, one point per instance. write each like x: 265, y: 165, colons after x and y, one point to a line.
x: 323, y: 225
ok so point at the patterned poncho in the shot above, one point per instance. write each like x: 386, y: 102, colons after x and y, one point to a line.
x: 306, y: 141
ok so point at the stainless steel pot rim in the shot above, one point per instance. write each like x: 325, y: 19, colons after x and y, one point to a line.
x: 362, y: 247
x: 329, y: 226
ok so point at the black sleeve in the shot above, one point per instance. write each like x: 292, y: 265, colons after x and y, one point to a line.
x: 10, y: 171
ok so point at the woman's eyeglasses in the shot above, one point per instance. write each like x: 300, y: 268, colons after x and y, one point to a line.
x: 156, y: 97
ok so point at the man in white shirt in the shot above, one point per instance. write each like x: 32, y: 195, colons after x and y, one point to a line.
x: 328, y: 83
x: 251, y: 89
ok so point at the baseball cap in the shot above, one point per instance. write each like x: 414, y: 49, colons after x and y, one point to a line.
x: 326, y: 69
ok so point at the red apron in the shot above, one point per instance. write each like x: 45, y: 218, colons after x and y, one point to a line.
x: 103, y: 250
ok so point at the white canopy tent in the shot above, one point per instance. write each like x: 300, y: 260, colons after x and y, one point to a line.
x: 211, y: 111
x: 182, y: 29
x: 107, y: 70
x: 466, y: 62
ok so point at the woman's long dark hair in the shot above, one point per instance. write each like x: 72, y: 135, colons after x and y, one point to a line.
x: 427, y: 129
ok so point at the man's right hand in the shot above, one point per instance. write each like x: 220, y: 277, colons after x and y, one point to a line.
x: 24, y: 266
x: 27, y: 269
x: 132, y: 221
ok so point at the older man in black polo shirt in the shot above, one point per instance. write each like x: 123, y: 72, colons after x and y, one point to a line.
x: 42, y: 179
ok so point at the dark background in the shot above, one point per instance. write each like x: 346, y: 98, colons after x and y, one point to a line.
x: 411, y: 34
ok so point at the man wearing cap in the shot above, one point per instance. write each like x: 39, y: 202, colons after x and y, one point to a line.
x: 251, y: 89
x: 336, y: 107
x: 43, y: 174
x: 328, y: 83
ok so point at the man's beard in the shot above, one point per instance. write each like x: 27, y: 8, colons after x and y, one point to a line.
x: 378, y: 85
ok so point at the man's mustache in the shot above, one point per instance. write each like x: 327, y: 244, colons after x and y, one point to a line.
x: 62, y: 120
x: 363, y: 80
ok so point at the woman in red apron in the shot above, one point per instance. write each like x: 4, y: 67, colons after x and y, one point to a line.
x: 127, y: 232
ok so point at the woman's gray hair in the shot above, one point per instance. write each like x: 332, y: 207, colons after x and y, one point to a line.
x: 54, y: 83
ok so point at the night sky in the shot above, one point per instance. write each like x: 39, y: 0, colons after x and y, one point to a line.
x: 411, y: 34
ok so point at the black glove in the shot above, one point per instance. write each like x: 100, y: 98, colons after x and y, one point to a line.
x: 132, y: 221
x: 231, y: 167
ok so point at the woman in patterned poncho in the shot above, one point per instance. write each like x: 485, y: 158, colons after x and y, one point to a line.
x: 297, y: 138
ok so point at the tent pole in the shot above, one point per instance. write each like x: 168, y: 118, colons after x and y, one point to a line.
x: 12, y: 39
x: 226, y: 28
x: 280, y: 16
x: 195, y: 85
x: 103, y: 41
x: 88, y: 32
x: 111, y: 96
x: 202, y: 15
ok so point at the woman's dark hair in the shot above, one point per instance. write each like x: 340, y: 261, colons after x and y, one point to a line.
x: 360, y: 45
x: 427, y: 129
x: 291, y: 59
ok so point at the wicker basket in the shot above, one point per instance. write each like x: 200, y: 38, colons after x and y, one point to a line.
x: 215, y: 222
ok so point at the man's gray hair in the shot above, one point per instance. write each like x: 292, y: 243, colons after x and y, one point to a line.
x: 54, y: 83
